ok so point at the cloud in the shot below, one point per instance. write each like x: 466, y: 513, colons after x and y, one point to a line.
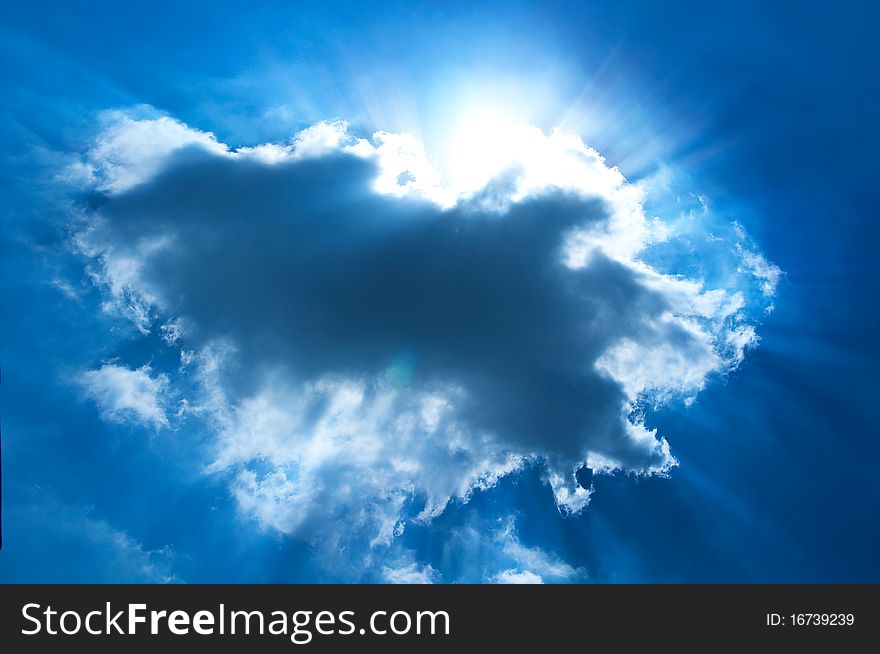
x: 338, y: 451
x: 128, y: 151
x: 414, y: 573
x: 126, y: 557
x: 487, y: 550
x: 125, y: 395
x: 532, y: 565
x: 72, y: 535
x: 369, y: 342
x: 515, y: 577
x: 767, y: 273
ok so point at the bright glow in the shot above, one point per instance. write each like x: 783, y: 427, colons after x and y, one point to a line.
x: 481, y: 148
x: 490, y: 142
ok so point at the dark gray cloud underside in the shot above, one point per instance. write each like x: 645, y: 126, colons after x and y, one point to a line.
x: 313, y: 272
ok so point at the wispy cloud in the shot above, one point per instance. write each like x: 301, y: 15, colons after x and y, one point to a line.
x: 532, y: 565
x: 126, y: 395
x: 81, y: 546
x: 413, y: 573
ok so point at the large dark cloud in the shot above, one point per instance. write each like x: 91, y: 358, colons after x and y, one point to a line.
x: 362, y: 342
x: 307, y: 269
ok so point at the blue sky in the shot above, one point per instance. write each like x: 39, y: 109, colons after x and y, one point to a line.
x: 258, y: 445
